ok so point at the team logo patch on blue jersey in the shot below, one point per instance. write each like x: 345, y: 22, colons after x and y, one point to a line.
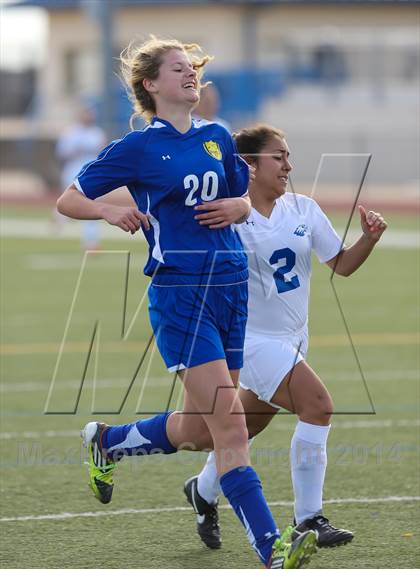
x: 301, y: 230
x: 213, y: 149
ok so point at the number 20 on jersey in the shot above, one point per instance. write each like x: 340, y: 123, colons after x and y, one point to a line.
x: 205, y: 188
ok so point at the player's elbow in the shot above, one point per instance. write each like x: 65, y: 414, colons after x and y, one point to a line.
x: 340, y: 268
x: 343, y: 272
x: 64, y: 202
x: 61, y: 205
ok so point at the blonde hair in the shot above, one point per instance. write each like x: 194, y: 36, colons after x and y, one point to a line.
x: 250, y: 141
x: 139, y: 62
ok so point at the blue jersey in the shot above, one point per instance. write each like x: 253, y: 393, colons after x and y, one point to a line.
x: 168, y: 173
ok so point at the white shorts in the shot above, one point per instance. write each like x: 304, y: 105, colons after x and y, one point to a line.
x: 268, y: 360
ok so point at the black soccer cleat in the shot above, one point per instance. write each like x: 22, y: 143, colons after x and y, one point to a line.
x: 327, y: 535
x: 207, y: 515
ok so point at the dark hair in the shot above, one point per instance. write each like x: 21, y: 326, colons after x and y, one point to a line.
x: 250, y: 141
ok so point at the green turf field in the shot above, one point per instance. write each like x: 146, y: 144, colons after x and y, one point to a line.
x: 373, y: 458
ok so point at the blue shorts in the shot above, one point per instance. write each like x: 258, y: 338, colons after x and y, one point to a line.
x: 198, y: 324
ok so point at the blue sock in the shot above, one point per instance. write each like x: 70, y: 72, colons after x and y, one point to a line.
x: 243, y: 489
x: 147, y: 436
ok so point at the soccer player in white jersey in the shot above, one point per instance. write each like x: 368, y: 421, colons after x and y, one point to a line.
x: 279, y: 236
x: 198, y: 293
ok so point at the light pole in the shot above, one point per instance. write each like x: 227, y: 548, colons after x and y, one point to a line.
x: 102, y: 13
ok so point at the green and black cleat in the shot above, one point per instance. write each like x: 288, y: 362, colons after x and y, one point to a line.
x: 288, y: 554
x: 100, y: 466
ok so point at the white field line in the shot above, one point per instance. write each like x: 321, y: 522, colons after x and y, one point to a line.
x: 130, y: 511
x: 374, y: 424
x: 392, y: 239
x: 153, y: 382
x: 44, y: 229
x: 39, y: 435
x: 73, y: 261
x: 39, y: 228
x: 166, y: 381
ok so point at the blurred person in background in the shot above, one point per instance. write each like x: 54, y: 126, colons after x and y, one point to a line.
x: 76, y: 146
x: 208, y: 107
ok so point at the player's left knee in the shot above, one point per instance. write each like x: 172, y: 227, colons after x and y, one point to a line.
x: 318, y: 410
x: 324, y: 409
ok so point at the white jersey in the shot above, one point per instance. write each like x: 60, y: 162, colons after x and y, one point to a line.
x: 279, y: 254
x: 76, y: 147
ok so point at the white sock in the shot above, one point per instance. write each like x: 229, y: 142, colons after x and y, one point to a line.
x: 208, y: 480
x: 308, y: 461
x: 208, y: 485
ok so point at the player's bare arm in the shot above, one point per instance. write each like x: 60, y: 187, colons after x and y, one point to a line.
x: 224, y: 212
x: 349, y: 260
x: 74, y: 204
x: 120, y: 196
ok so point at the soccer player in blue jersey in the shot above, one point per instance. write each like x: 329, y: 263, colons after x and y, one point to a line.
x: 198, y: 293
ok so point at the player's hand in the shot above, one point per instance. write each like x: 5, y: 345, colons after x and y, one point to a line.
x: 373, y: 224
x: 129, y: 219
x: 223, y: 212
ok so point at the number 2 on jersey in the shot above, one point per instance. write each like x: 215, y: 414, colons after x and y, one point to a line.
x: 289, y: 256
x: 208, y: 190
